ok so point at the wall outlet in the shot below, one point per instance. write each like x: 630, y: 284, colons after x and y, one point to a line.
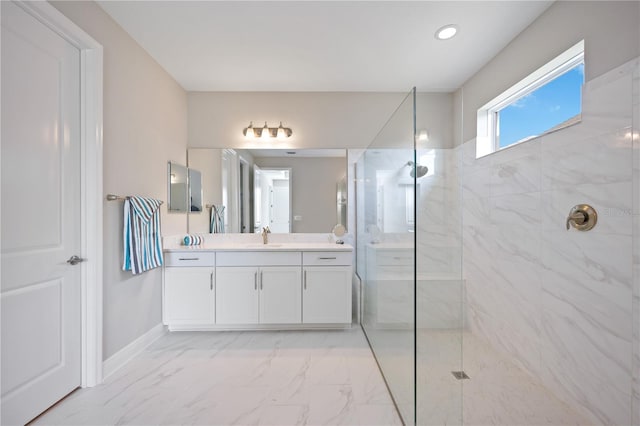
x: 297, y: 218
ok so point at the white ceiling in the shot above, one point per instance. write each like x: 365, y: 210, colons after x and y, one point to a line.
x: 321, y: 45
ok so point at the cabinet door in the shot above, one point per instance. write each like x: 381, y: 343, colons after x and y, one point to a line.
x: 280, y: 295
x: 189, y: 296
x: 326, y: 295
x: 236, y: 295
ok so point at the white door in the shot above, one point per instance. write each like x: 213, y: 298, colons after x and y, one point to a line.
x: 280, y: 206
x: 280, y: 295
x: 40, y: 291
x: 236, y: 295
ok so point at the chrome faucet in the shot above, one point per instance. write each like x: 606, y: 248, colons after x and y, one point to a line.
x: 265, y: 235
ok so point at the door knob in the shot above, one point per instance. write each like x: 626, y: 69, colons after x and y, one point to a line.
x: 583, y: 217
x: 74, y: 260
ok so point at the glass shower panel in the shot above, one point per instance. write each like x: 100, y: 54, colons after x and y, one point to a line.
x: 439, y: 295
x: 386, y: 252
x: 635, y: 134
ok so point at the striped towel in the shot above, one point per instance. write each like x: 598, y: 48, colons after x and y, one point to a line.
x: 142, y: 236
x: 192, y: 240
x: 216, y: 225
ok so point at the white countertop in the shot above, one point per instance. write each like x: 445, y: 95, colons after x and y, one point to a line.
x: 276, y: 246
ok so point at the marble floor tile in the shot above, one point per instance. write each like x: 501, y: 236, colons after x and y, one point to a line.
x: 308, y: 378
x: 239, y: 378
x: 497, y: 393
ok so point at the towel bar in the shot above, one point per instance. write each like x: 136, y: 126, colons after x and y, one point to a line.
x: 113, y: 197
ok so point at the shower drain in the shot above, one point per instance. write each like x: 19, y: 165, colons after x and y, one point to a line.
x: 460, y: 375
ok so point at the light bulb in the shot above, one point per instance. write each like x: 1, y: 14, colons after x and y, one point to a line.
x: 249, y: 133
x: 446, y: 32
x: 265, y: 131
x: 281, y: 133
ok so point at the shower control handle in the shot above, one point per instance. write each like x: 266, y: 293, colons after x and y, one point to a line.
x: 576, y: 217
x: 583, y: 217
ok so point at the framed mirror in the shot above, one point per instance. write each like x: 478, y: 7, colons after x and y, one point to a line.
x: 302, y: 190
x: 177, y: 180
x: 195, y: 191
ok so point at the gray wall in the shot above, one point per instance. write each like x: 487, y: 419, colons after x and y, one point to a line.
x: 610, y: 31
x: 318, y: 119
x: 145, y: 125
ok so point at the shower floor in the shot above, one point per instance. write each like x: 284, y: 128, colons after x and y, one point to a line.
x: 497, y: 393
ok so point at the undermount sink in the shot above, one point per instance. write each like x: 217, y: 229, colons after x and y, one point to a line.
x: 268, y: 245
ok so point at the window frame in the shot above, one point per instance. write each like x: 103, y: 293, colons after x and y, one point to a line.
x: 488, y: 138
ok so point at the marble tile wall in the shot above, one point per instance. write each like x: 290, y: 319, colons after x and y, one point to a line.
x: 558, y: 302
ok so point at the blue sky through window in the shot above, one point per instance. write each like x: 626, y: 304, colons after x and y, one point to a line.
x: 542, y: 109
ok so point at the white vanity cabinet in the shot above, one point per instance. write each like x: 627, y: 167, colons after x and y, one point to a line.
x: 237, y: 295
x: 189, y: 291
x: 326, y: 294
x: 258, y: 288
x: 280, y: 295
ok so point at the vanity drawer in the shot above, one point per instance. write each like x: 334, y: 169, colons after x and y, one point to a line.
x: 258, y: 258
x: 331, y: 258
x: 190, y: 258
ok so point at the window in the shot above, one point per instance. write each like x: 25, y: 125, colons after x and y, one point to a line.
x: 548, y: 99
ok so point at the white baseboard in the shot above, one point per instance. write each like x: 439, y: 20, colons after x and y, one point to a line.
x: 133, y: 349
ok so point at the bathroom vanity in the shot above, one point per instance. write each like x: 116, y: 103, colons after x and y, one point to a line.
x: 255, y: 286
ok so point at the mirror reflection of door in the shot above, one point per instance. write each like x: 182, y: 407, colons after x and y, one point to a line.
x: 341, y: 201
x: 245, y: 196
x: 272, y: 199
x: 257, y: 199
x: 279, y: 208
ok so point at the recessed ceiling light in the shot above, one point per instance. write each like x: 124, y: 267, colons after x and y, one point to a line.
x: 446, y: 32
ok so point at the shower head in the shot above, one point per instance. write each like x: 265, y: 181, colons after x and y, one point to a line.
x: 417, y: 170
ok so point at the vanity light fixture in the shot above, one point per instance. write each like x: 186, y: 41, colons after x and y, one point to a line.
x: 266, y: 132
x: 423, y: 135
x: 446, y: 32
